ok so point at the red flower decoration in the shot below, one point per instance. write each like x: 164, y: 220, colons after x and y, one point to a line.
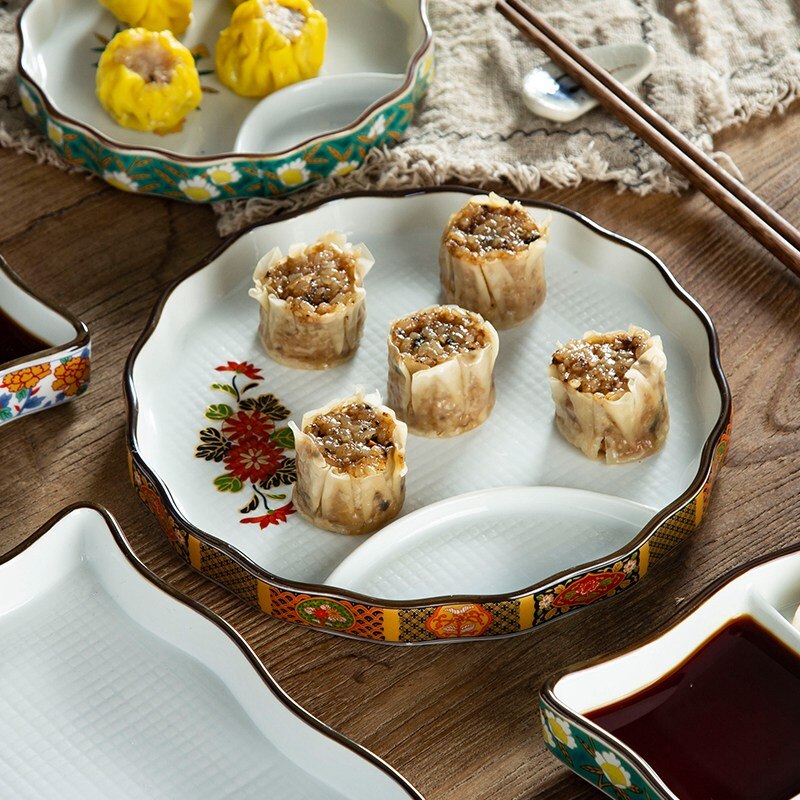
x: 274, y: 517
x: 248, y: 425
x: 242, y: 368
x: 253, y: 460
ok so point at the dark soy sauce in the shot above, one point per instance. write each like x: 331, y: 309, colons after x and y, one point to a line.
x: 16, y: 341
x: 724, y: 725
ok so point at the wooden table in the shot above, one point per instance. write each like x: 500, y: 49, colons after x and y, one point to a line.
x: 458, y: 721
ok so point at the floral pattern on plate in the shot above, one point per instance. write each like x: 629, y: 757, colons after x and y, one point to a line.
x: 250, y: 445
x: 594, y: 761
x: 36, y: 386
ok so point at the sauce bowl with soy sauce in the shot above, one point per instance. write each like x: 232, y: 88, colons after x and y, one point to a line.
x: 44, y: 350
x: 707, y: 710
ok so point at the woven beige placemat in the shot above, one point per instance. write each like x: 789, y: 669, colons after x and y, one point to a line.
x: 720, y: 62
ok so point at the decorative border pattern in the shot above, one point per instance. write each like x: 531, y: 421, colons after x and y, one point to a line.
x: 429, y: 623
x: 446, y: 618
x: 201, y: 179
x: 598, y: 762
x: 44, y: 383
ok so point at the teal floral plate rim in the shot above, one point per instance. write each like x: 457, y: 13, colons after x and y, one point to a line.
x: 151, y: 170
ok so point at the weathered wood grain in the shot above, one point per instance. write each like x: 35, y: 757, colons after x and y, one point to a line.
x: 458, y: 721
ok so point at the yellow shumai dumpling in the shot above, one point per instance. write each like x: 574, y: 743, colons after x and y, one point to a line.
x: 270, y: 44
x: 147, y: 81
x: 155, y: 15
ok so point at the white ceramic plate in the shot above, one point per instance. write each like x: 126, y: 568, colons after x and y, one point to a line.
x: 767, y: 590
x: 595, y: 280
x: 115, y: 685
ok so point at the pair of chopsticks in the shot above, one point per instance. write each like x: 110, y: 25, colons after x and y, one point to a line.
x: 761, y: 221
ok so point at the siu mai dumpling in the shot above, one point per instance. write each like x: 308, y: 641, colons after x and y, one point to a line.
x: 610, y: 395
x: 441, y: 370
x: 270, y: 44
x: 351, y: 466
x: 313, y: 302
x: 491, y: 260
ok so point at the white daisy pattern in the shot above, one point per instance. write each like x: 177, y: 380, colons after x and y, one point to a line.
x: 54, y: 132
x: 345, y: 167
x: 612, y: 768
x: 26, y: 98
x: 120, y: 180
x: 561, y: 730
x: 546, y: 732
x: 198, y: 189
x: 223, y: 174
x: 294, y: 173
x: 377, y: 128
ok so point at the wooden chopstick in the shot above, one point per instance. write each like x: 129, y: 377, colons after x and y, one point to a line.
x: 733, y: 197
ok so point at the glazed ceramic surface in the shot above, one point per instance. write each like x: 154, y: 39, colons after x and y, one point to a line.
x: 61, y: 42
x: 550, y: 93
x: 199, y: 373
x: 492, y: 541
x: 114, y: 685
x: 55, y: 374
x: 769, y: 592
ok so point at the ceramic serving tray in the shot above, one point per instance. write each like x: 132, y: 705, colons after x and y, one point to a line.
x: 55, y: 368
x: 377, y: 68
x: 767, y: 590
x: 116, y: 685
x: 503, y: 528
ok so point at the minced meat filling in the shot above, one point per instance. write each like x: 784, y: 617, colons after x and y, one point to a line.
x: 479, y: 231
x: 355, y: 437
x: 289, y: 21
x: 153, y: 62
x: 433, y: 336
x: 319, y: 279
x: 599, y: 364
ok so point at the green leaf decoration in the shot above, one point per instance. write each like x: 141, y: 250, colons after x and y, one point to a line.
x: 224, y: 387
x: 285, y: 474
x: 5, y: 413
x: 267, y: 404
x: 228, y: 483
x: 214, y: 445
x: 21, y: 394
x: 251, y: 506
x: 219, y: 411
x: 284, y: 438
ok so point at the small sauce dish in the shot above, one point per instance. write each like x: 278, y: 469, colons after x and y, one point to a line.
x: 706, y: 709
x: 44, y: 350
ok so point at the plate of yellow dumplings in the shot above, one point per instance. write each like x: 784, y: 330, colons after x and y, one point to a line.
x: 206, y: 100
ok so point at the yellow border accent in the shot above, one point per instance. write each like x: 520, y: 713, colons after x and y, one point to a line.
x: 699, y: 506
x: 644, y: 559
x: 264, y: 597
x: 194, y: 552
x: 391, y: 624
x: 526, y: 609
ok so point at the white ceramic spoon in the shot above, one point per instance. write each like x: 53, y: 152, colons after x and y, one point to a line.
x: 550, y: 93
